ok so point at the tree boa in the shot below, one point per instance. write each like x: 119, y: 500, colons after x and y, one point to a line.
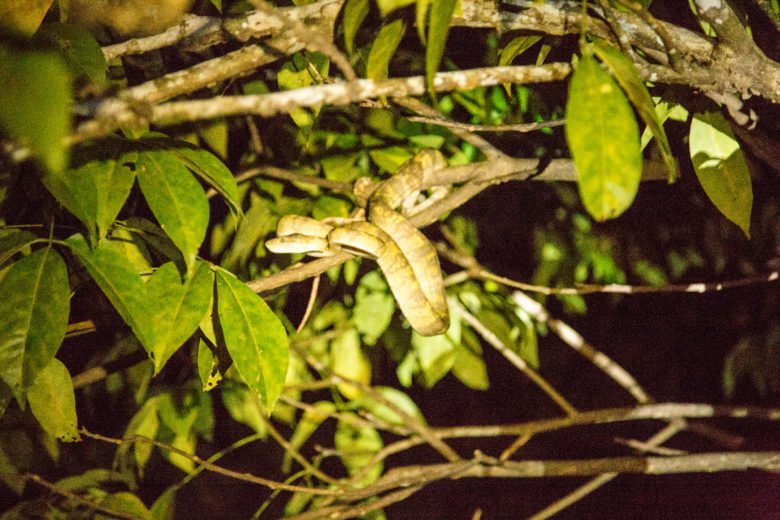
x: 405, y: 256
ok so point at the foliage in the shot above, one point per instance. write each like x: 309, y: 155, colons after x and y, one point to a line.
x: 134, y: 249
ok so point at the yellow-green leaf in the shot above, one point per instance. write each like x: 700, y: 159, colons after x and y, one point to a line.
x: 23, y: 16
x: 721, y: 168
x: 355, y: 11
x: 53, y: 402
x: 357, y: 446
x: 178, y: 309
x: 388, y: 6
x: 176, y: 199
x: 349, y: 361
x: 254, y: 336
x: 515, y: 48
x: 34, y: 311
x: 35, y: 97
x: 603, y: 137
x: 79, y: 48
x: 383, y: 49
x: 96, y: 187
x: 438, y: 28
x: 625, y: 72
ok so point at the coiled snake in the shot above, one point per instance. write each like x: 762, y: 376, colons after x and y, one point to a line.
x: 405, y: 256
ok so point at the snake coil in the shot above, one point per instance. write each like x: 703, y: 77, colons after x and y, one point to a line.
x: 405, y: 256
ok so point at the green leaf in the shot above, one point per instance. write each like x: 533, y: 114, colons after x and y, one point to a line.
x: 469, y: 366
x: 118, y: 280
x: 252, y: 229
x: 388, y: 6
x: 53, y: 402
x: 348, y: 360
x: 164, y: 508
x: 34, y: 312
x: 211, y: 169
x: 721, y: 168
x: 603, y: 137
x: 144, y: 423
x: 625, y: 72
x: 355, y: 11
x: 178, y: 309
x: 383, y: 48
x: 438, y: 28
x: 420, y: 16
x: 176, y: 199
x: 35, y: 96
x: 516, y: 46
x: 384, y: 412
x: 373, y: 309
x: 436, y: 354
x: 127, y: 503
x: 23, y: 16
x: 215, y: 135
x: 357, y: 446
x: 311, y: 420
x: 254, y: 336
x: 79, y: 48
x: 96, y: 187
x: 243, y: 405
x: 390, y: 158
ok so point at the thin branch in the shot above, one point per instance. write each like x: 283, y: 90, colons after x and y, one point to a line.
x: 431, y: 114
x: 73, y: 496
x: 469, y: 127
x: 595, y: 483
x: 408, y: 420
x: 575, y: 340
x: 514, y: 358
x: 208, y: 466
x: 113, y: 113
x: 476, y: 270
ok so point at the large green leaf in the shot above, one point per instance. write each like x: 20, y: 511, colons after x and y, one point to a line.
x: 625, y: 72
x: 117, y: 278
x: 33, y: 317
x: 211, y: 169
x: 176, y: 199
x: 438, y: 28
x: 383, y: 49
x: 355, y: 11
x: 254, y: 336
x: 603, y: 137
x: 35, y: 97
x: 721, y: 167
x: 53, y: 402
x: 178, y: 308
x: 96, y: 187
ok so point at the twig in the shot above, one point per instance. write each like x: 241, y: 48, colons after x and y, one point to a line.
x: 517, y: 127
x: 411, y: 422
x: 208, y: 466
x: 575, y: 340
x: 490, y: 151
x: 73, y: 496
x: 514, y: 358
x: 315, y: 286
x: 598, y: 481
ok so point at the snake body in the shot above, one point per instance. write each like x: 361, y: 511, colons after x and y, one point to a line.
x: 405, y: 256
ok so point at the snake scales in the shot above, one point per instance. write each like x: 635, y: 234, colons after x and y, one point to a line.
x: 405, y: 256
